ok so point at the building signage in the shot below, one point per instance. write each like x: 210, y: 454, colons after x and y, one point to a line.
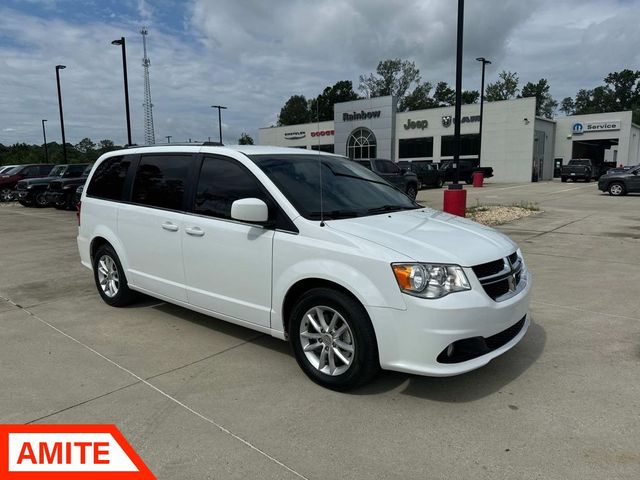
x: 447, y: 120
x: 586, y: 127
x: 413, y: 124
x: 350, y: 117
x: 323, y: 133
x: 294, y: 135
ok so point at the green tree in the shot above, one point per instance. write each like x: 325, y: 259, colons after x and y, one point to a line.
x: 418, y: 99
x: 444, y: 95
x: 245, y: 139
x: 321, y: 107
x: 505, y: 88
x: 545, y: 104
x: 567, y: 106
x: 470, y: 96
x: 294, y: 111
x: 392, y: 77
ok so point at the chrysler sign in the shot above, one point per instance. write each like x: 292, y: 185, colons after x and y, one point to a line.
x: 586, y: 127
x: 294, y: 135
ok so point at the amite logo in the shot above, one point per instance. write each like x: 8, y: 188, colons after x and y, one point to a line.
x: 68, y: 451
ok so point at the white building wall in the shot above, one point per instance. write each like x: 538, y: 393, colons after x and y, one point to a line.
x: 309, y: 133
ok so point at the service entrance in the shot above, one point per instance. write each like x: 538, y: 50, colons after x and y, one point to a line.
x: 599, y: 151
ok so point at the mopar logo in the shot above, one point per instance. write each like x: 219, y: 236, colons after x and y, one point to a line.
x: 577, y: 127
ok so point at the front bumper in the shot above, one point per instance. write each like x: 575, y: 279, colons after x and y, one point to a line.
x: 411, y: 340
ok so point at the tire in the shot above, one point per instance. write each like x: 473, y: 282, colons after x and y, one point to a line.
x: 115, y: 291
x: 26, y: 203
x: 563, y: 179
x: 616, y: 189
x: 468, y: 181
x: 439, y: 183
x: 62, y: 205
x: 412, y: 191
x: 6, y: 195
x: 40, y: 200
x: 338, y: 310
x: 588, y: 179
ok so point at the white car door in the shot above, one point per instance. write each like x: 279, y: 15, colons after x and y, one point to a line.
x: 151, y: 226
x: 227, y: 263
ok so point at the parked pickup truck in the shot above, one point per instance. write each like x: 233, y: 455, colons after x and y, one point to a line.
x: 404, y: 180
x: 577, y: 168
x: 467, y: 167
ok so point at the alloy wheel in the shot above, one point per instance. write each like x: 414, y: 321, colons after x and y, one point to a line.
x: 327, y: 340
x: 615, y: 189
x: 108, y: 276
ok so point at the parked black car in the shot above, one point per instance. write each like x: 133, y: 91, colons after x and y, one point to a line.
x: 9, y: 178
x: 402, y: 179
x: 77, y: 196
x: 467, y: 168
x: 32, y: 192
x: 61, y: 192
x: 428, y: 173
x: 621, y: 183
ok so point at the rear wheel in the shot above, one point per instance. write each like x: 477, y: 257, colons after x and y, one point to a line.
x: 616, y: 189
x: 62, y: 204
x: 439, y: 183
x: 333, y: 339
x: 6, y: 195
x: 412, y: 191
x: 26, y: 202
x: 110, y: 279
x: 40, y: 200
x: 563, y: 179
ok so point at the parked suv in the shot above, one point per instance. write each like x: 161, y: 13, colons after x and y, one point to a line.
x: 621, y: 183
x: 304, y: 246
x: 33, y: 191
x: 9, y: 178
x: 406, y: 181
x: 61, y: 191
x: 577, y: 168
x: 427, y: 173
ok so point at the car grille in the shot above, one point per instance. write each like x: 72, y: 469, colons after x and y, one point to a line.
x: 21, y: 186
x: 55, y: 186
x: 501, y: 279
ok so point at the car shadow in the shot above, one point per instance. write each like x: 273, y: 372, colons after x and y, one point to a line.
x: 470, y: 386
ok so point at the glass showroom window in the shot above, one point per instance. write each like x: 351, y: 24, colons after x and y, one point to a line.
x: 361, y: 144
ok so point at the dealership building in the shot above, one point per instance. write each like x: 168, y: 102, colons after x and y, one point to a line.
x: 518, y: 145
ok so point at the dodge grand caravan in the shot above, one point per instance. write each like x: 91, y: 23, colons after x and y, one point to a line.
x: 307, y: 247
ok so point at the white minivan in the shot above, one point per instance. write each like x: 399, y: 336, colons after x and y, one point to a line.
x: 304, y: 246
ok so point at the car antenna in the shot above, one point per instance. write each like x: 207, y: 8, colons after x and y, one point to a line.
x: 319, y: 161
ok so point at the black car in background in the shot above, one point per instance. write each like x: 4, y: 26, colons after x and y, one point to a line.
x: 402, y: 179
x: 427, y: 172
x: 467, y: 167
x: 32, y: 192
x: 621, y: 183
x: 9, y: 178
x: 61, y: 192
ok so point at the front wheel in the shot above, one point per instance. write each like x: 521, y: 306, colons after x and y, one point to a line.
x: 333, y: 339
x: 439, y: 183
x: 40, y: 200
x: 616, y: 189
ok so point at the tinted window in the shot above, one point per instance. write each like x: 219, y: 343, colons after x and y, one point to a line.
x: 31, y: 171
x: 348, y: 189
x: 74, y: 170
x: 386, y: 166
x: 108, y: 179
x: 12, y: 171
x: 221, y: 183
x: 160, y: 181
x: 365, y: 163
x: 415, y: 147
x: 45, y: 169
x: 469, y: 145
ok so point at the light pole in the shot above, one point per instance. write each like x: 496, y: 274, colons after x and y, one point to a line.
x: 485, y: 62
x: 121, y: 42
x: 220, y: 108
x: 455, y: 197
x: 64, y: 141
x: 44, y: 134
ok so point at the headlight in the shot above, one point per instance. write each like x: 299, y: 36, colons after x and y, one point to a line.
x: 29, y: 187
x: 430, y: 280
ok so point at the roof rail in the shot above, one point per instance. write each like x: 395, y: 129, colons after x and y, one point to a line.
x: 178, y: 144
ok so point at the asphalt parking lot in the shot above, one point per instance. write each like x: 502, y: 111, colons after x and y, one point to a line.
x: 202, y: 399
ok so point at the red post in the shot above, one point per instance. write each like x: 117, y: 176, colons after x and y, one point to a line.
x: 455, y: 201
x: 478, y: 179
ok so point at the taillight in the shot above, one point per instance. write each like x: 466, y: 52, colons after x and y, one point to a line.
x: 78, y: 212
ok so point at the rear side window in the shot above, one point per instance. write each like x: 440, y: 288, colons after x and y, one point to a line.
x: 31, y: 171
x: 161, y: 180
x: 45, y: 169
x: 108, y: 179
x: 221, y: 183
x: 74, y: 170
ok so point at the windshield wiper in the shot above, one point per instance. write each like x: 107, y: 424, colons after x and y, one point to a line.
x: 391, y: 208
x: 334, y: 214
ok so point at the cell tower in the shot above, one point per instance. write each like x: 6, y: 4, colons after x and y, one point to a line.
x: 149, y: 134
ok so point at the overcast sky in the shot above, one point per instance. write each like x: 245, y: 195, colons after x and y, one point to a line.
x: 252, y: 55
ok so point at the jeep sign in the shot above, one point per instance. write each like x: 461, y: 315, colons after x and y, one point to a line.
x: 411, y: 124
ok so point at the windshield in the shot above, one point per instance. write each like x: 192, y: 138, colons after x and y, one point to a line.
x: 57, y: 171
x: 87, y: 170
x: 348, y: 188
x: 579, y: 162
x: 12, y: 171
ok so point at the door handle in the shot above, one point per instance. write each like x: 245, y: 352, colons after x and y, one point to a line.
x: 194, y: 231
x: 170, y: 227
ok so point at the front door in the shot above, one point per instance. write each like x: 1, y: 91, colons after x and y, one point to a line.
x: 227, y: 263
x: 150, y: 227
x: 633, y: 181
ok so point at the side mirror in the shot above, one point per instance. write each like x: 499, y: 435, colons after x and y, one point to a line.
x: 250, y: 210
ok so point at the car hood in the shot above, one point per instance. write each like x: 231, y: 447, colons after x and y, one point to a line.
x: 39, y: 180
x: 68, y: 181
x: 428, y: 235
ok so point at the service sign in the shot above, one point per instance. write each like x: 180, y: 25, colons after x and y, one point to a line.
x: 586, y: 127
x: 41, y: 452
